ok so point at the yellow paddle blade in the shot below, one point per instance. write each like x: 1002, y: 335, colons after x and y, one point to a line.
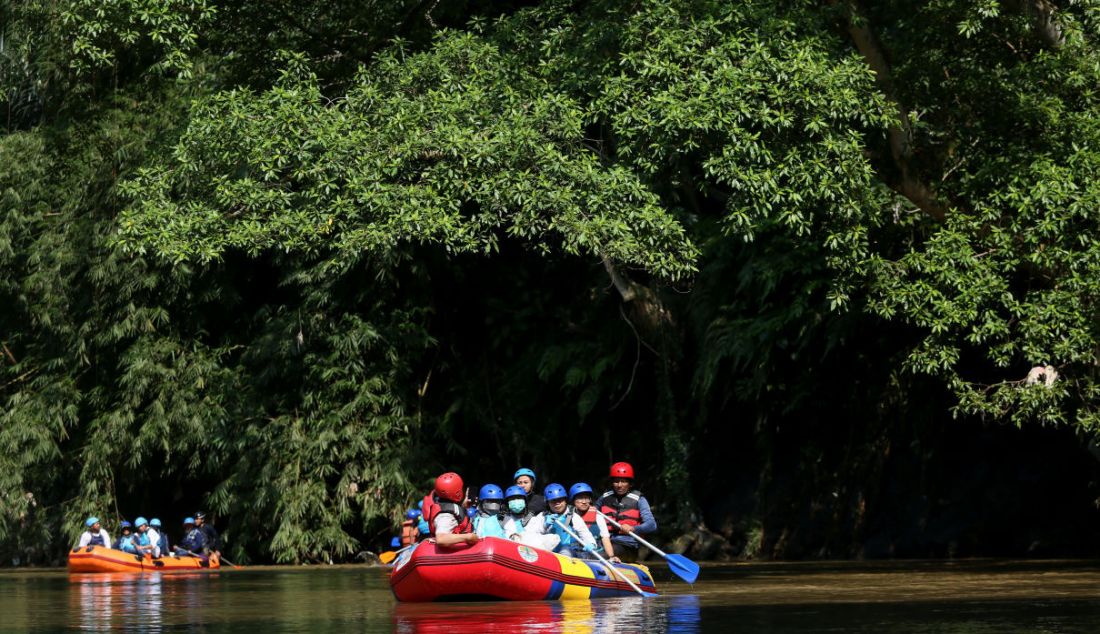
x: 387, y: 556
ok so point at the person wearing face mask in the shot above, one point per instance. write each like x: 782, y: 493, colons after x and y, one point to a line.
x: 490, y: 519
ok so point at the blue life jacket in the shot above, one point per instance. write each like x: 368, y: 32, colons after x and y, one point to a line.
x: 194, y: 541
x: 565, y: 518
x: 125, y: 543
x: 163, y: 543
x: 488, y: 526
x: 142, y: 539
x: 97, y: 540
x: 423, y: 527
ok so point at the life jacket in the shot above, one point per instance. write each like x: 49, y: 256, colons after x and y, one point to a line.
x: 409, y: 533
x: 142, y: 539
x: 434, y: 507
x: 522, y: 520
x: 589, y: 518
x: 566, y: 518
x: 488, y: 525
x: 194, y: 540
x: 624, y: 510
x: 97, y: 539
x: 126, y: 544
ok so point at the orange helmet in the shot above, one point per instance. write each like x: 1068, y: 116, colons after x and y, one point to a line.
x: 622, y: 470
x: 449, y: 487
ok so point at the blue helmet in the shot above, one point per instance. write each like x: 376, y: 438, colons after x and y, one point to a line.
x: 579, y: 488
x: 91, y: 521
x: 420, y: 505
x: 155, y: 523
x: 125, y: 524
x: 139, y: 522
x: 524, y: 472
x: 515, y: 491
x: 188, y: 520
x: 490, y: 492
x: 554, y: 491
x: 412, y: 514
x: 395, y: 542
x: 471, y: 512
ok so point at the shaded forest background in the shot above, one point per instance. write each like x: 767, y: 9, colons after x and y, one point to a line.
x: 827, y: 274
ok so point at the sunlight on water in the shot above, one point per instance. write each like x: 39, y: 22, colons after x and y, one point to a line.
x: 916, y: 597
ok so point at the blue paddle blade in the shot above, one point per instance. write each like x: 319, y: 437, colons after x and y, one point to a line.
x: 683, y: 567
x: 649, y: 595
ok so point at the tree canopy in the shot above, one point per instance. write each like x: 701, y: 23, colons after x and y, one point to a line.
x: 285, y: 259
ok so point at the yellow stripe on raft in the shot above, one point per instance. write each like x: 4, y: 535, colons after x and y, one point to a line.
x: 575, y: 568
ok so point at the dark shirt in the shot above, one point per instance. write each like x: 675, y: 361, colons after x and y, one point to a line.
x: 193, y: 541
x: 213, y: 542
x: 536, y: 503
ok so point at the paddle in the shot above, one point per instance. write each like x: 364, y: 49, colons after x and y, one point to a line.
x: 607, y: 564
x: 390, y: 555
x: 681, y: 566
x: 220, y: 558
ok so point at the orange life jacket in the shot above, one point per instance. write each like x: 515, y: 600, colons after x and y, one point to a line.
x: 624, y: 510
x: 409, y: 533
x: 589, y: 519
x: 433, y: 507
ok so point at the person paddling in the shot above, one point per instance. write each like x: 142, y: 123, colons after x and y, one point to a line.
x: 194, y: 540
x: 580, y: 496
x: 95, y: 535
x: 444, y: 509
x: 209, y: 533
x: 559, y: 517
x: 627, y: 506
x: 525, y: 478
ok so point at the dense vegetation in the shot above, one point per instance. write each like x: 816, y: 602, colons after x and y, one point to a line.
x: 287, y: 260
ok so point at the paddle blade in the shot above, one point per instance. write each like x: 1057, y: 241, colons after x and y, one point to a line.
x: 387, y: 557
x: 649, y: 595
x: 683, y: 567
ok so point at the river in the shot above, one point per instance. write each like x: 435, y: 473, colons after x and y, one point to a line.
x: 926, y: 597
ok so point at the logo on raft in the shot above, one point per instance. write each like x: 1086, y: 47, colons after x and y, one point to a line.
x: 528, y: 554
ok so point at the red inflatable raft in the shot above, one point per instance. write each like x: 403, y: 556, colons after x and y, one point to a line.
x: 502, y: 569
x: 100, y: 559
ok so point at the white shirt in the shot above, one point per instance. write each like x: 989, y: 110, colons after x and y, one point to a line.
x: 601, y: 527
x: 444, y: 523
x: 154, y: 539
x: 86, y: 538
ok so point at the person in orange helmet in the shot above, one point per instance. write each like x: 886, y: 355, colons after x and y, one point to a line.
x: 627, y: 506
x: 445, y: 511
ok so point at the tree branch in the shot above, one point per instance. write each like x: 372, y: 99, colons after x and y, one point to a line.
x: 909, y: 182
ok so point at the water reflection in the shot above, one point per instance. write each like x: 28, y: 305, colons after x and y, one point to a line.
x: 127, y: 601
x: 671, y: 615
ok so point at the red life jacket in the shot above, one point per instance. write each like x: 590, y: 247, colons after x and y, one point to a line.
x: 589, y: 518
x: 623, y: 510
x: 409, y: 533
x: 434, y: 507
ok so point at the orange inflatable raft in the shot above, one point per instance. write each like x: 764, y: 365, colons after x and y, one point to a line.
x: 100, y: 559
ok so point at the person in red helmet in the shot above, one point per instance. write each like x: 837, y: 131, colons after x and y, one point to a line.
x: 627, y: 506
x: 445, y: 511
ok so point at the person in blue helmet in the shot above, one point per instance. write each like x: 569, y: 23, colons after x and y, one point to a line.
x: 194, y: 540
x: 145, y: 545
x: 125, y: 542
x: 162, y: 536
x: 410, y: 533
x: 154, y: 532
x: 525, y: 478
x: 491, y: 519
x: 95, y: 535
x: 580, y: 497
x: 527, y: 526
x: 558, y: 514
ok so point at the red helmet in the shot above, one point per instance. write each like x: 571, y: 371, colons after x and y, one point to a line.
x: 449, y: 487
x: 622, y: 470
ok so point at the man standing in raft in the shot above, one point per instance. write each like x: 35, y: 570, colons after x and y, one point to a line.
x: 627, y: 506
x: 446, y: 514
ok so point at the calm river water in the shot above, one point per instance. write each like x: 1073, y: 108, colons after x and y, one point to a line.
x: 966, y: 596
